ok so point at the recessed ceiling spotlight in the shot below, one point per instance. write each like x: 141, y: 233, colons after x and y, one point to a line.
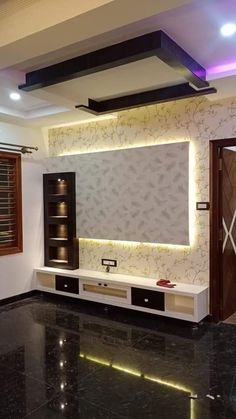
x: 15, y: 96
x: 228, y: 29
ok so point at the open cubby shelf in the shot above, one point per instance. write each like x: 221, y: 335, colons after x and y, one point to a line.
x: 60, y: 243
x: 185, y: 301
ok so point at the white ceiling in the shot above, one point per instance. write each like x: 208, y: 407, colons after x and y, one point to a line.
x: 193, y: 24
x: 140, y: 75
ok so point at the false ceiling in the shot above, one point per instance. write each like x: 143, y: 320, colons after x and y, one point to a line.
x: 98, y: 25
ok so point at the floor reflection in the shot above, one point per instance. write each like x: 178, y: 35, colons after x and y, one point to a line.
x: 61, y: 360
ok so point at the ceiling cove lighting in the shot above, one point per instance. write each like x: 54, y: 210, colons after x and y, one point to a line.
x: 85, y: 121
x: 223, y: 68
x: 15, y: 96
x: 229, y: 29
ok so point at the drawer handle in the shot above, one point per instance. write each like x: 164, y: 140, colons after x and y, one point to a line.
x: 65, y: 285
x: 146, y: 300
x: 105, y: 285
x: 99, y: 284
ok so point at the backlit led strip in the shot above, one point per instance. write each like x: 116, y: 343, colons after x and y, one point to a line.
x: 192, y: 198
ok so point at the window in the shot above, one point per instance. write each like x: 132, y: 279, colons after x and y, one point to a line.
x: 10, y: 203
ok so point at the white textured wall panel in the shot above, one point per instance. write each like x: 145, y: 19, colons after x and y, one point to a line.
x: 138, y: 194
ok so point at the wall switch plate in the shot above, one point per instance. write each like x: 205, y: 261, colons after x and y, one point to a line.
x: 202, y: 206
x: 109, y: 262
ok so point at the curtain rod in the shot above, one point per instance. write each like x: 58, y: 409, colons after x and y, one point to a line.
x: 24, y: 149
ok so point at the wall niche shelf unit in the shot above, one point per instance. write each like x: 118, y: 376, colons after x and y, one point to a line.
x: 61, y: 248
x: 185, y: 301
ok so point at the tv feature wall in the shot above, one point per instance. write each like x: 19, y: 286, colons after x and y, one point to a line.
x: 136, y: 194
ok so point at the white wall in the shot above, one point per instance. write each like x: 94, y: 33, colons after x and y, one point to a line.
x: 16, y: 270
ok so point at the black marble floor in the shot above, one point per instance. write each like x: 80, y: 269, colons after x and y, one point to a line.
x: 61, y: 359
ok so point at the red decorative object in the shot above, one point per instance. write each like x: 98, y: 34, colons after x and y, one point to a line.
x: 165, y: 283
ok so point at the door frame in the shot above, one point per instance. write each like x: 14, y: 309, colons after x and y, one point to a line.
x: 216, y: 296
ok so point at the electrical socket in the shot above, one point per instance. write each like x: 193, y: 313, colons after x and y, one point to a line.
x: 109, y: 262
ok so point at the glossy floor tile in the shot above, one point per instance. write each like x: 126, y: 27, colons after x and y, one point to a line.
x: 66, y: 359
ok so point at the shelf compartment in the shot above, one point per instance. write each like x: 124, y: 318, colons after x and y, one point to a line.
x: 58, y: 261
x: 57, y: 187
x: 105, y: 290
x: 58, y: 231
x: 58, y: 209
x: 179, y: 304
x: 58, y: 254
x: 46, y: 280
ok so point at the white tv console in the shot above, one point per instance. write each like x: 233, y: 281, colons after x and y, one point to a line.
x: 185, y: 301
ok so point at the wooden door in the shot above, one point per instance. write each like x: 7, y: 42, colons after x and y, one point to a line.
x: 228, y: 193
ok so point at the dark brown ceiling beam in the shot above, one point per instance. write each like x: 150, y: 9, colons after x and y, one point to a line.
x: 177, y: 58
x: 153, y: 44
x: 150, y: 97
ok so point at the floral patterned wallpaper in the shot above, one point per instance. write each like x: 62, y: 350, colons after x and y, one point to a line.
x: 195, y: 120
x: 138, y: 194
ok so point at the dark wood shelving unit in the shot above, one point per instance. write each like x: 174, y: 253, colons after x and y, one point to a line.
x: 61, y: 247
